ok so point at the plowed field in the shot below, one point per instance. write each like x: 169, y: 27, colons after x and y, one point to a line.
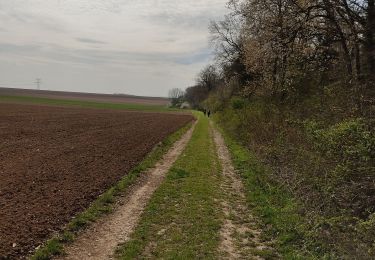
x: 54, y: 161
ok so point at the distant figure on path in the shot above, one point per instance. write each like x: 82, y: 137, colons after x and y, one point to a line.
x: 208, y: 113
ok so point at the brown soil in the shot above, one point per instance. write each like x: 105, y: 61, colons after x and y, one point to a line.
x: 55, y: 161
x: 101, y: 239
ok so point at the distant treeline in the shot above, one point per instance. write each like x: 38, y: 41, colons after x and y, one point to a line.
x: 294, y: 81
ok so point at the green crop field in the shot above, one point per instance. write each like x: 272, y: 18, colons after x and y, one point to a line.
x: 87, y: 104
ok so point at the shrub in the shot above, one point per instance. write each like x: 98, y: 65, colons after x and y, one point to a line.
x: 327, y: 165
x: 237, y: 103
x: 349, y: 146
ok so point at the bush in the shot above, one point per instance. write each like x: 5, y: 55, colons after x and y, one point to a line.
x: 349, y: 146
x: 238, y: 103
x: 327, y: 165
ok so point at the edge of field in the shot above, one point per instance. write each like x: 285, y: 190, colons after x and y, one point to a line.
x: 85, y: 104
x: 105, y: 202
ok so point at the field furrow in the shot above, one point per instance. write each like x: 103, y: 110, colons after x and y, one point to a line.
x: 55, y: 161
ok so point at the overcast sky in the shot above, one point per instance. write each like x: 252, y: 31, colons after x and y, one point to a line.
x: 142, y: 47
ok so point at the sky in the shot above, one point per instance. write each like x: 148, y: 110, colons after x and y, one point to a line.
x: 139, y: 47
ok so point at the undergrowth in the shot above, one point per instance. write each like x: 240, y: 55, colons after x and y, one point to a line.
x: 270, y: 202
x: 309, y: 176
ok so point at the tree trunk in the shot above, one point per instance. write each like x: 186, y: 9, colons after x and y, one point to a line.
x: 370, y: 31
x: 330, y: 10
x: 351, y: 21
x: 358, y: 66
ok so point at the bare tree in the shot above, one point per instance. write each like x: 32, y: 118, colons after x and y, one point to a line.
x: 176, y: 96
x: 209, y: 78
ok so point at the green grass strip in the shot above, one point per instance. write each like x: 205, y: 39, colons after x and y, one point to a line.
x: 105, y: 202
x: 182, y: 219
x: 88, y: 104
x: 277, y: 209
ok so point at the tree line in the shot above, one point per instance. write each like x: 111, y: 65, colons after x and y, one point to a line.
x: 294, y: 81
x: 288, y: 49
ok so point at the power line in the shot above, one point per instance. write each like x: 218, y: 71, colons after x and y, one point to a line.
x: 37, y: 83
x: 16, y: 84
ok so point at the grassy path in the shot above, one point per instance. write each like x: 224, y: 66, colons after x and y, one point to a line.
x: 241, y: 236
x: 183, y: 218
x: 200, y: 211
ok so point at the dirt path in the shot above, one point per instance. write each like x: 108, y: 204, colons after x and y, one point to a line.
x: 102, y: 238
x: 240, y: 237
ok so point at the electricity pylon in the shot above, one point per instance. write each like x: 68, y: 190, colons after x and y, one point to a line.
x: 38, y: 81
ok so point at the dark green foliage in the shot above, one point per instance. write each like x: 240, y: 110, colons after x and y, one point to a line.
x: 237, y: 103
x: 178, y: 174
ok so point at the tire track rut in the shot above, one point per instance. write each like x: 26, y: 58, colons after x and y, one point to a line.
x: 240, y: 235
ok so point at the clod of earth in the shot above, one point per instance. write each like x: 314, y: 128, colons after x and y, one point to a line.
x: 55, y: 161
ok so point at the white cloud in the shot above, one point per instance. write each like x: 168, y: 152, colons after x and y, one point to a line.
x: 153, y: 44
